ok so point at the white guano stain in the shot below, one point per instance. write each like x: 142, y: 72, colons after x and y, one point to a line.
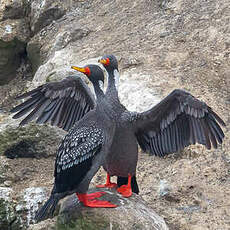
x: 136, y: 92
x: 8, y: 29
x: 32, y: 197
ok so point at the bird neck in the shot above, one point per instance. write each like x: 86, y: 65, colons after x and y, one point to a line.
x: 98, y: 89
x: 113, y: 80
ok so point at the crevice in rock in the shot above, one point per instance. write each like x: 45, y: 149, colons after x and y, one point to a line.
x: 10, y: 59
x: 15, y: 75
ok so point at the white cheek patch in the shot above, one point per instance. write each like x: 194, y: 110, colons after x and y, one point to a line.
x: 117, y: 78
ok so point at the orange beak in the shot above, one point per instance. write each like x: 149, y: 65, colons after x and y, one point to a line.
x: 85, y: 70
x: 79, y: 69
x: 104, y: 61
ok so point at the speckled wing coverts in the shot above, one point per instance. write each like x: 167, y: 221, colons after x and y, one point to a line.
x: 77, y: 149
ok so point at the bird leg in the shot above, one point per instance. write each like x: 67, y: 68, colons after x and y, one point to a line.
x: 126, y: 190
x: 108, y: 183
x: 89, y: 200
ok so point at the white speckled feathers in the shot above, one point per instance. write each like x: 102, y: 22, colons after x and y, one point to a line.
x: 78, y: 146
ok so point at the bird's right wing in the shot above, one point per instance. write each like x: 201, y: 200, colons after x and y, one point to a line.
x: 60, y: 103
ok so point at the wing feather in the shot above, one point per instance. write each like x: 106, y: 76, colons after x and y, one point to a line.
x: 75, y: 156
x: 176, y: 122
x: 51, y: 102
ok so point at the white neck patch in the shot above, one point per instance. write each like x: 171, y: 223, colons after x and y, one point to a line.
x: 117, y: 78
x: 101, y: 85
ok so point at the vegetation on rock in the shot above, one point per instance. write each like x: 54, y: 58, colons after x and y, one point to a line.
x: 29, y: 141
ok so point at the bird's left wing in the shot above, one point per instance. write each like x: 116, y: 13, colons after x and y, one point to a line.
x: 60, y: 103
x: 75, y: 156
x: 176, y: 122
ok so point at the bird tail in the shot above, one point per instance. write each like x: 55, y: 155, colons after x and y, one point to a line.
x: 47, y: 209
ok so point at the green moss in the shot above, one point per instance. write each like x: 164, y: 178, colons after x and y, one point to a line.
x: 85, y: 223
x: 3, y: 169
x: 8, y: 219
x: 32, y: 140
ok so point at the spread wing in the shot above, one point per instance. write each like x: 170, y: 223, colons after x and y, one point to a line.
x: 75, y: 156
x: 176, y: 122
x: 60, y: 103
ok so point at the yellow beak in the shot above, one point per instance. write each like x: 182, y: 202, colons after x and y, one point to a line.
x: 82, y: 70
x: 102, y: 61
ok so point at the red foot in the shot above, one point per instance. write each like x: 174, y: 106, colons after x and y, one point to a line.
x: 94, y: 195
x: 108, y: 183
x: 126, y: 190
x: 91, y: 202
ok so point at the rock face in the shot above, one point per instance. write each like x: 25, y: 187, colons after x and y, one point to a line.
x: 131, y: 214
x: 8, y: 217
x: 14, y: 34
x: 13, y: 9
x: 43, y: 13
x: 30, y: 199
x: 13, y: 38
x: 161, y: 45
x: 28, y: 142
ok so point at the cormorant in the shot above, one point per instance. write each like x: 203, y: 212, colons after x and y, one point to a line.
x: 176, y: 122
x: 83, y: 149
x: 179, y: 120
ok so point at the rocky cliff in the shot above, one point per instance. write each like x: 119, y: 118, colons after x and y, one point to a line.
x: 161, y: 45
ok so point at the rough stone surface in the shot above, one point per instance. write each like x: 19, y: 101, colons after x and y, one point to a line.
x: 29, y: 141
x: 30, y: 199
x: 3, y: 170
x: 131, y: 214
x: 13, y: 9
x: 8, y: 217
x: 49, y: 224
x: 13, y: 37
x: 45, y: 12
x: 164, y: 45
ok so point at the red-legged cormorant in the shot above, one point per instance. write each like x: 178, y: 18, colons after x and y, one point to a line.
x: 177, y: 121
x: 83, y: 149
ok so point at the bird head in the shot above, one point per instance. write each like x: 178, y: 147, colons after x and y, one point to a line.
x: 93, y: 72
x: 109, y: 62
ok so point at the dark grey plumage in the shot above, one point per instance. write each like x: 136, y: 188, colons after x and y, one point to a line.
x: 176, y: 122
x: 82, y: 151
x: 60, y: 103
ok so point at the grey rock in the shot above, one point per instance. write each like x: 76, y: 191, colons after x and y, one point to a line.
x: 29, y: 141
x: 29, y: 201
x: 8, y: 217
x: 7, y: 183
x: 45, y: 12
x: 13, y: 9
x: 131, y: 213
x: 13, y: 37
x: 3, y: 170
x: 49, y: 224
x: 164, y: 188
